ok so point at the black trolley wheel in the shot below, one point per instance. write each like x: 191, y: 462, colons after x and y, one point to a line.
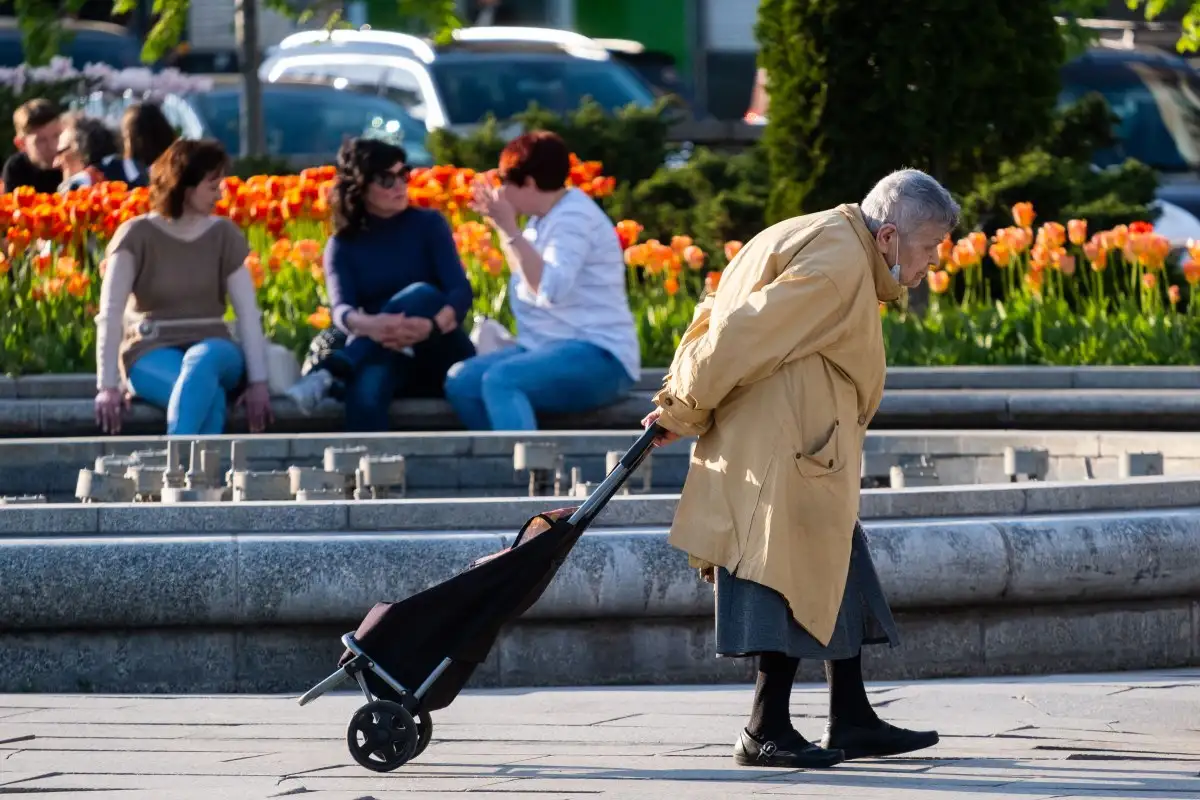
x: 425, y: 729
x: 389, y: 736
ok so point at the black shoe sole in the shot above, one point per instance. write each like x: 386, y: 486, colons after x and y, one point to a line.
x: 913, y: 745
x: 824, y: 762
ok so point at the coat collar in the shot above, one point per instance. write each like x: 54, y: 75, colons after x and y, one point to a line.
x: 887, y: 288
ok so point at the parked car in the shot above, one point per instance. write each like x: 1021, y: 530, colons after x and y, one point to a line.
x: 90, y: 43
x: 305, y: 123
x: 1156, y: 97
x: 496, y: 70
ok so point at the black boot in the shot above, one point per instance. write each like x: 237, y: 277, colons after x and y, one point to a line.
x: 853, y: 726
x: 770, y: 740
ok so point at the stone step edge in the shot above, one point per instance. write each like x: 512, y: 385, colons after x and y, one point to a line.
x: 81, y: 385
x: 1025, y: 499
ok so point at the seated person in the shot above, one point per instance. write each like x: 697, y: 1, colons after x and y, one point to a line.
x: 84, y: 143
x: 145, y: 134
x: 38, y: 124
x: 577, y: 347
x: 178, y: 264
x: 396, y: 288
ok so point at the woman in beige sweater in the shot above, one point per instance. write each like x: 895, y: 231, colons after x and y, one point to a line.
x: 172, y: 271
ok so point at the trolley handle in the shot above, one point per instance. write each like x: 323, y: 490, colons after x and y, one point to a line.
x: 612, y: 484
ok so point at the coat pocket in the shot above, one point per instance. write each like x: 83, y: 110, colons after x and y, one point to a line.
x: 826, y: 459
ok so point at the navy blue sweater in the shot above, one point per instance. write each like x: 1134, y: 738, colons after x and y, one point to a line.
x: 364, y: 270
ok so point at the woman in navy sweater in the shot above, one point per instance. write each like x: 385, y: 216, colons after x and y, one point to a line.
x: 396, y: 288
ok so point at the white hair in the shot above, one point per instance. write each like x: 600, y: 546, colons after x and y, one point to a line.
x: 911, y: 200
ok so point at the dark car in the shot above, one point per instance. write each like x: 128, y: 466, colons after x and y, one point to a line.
x: 89, y: 43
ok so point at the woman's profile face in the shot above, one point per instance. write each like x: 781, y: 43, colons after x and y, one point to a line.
x: 202, y: 197
x: 387, y: 193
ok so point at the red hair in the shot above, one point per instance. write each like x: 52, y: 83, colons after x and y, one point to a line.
x: 541, y: 155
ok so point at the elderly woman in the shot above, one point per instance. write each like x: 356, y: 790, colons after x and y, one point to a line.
x: 397, y: 289
x: 778, y: 375
x: 174, y: 269
x: 577, y: 347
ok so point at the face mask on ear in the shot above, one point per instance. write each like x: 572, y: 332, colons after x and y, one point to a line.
x: 896, y: 263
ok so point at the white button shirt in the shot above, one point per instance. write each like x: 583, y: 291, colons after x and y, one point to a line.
x: 582, y: 294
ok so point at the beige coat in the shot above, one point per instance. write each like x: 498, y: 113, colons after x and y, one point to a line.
x: 779, y: 374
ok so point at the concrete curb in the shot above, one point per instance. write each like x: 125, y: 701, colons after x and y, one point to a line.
x: 239, y: 580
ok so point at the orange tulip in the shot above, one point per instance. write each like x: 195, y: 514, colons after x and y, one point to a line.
x: 680, y: 243
x: 671, y: 285
x: 694, y: 256
x: 320, y: 319
x: 1174, y: 295
x: 939, y: 281
x: 979, y: 243
x: 732, y: 248
x: 1149, y: 280
x: 1000, y: 254
x: 1191, y: 272
x: 1023, y: 215
x: 628, y: 231
x: 944, y: 249
x: 1077, y: 231
x: 711, y: 281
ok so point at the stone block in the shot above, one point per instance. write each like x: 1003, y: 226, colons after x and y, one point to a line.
x: 544, y: 456
x: 56, y: 519
x: 23, y: 500
x: 1131, y: 494
x: 19, y: 418
x: 945, y: 643
x: 975, y: 378
x: 1172, y: 445
x: 233, y: 518
x: 336, y: 580
x: 949, y: 408
x: 1083, y: 557
x: 68, y: 386
x: 104, y: 487
x: 915, y: 562
x: 878, y: 466
x: 8, y: 388
x: 343, y: 460
x: 117, y: 583
x: 1136, y: 465
x: 1026, y: 462
x: 939, y: 501
x: 379, y: 476
x: 259, y: 486
x: 313, y: 479
x: 148, y: 482
x: 166, y: 660
x: 913, y: 475
x: 173, y: 495
x: 1090, y: 638
x: 1135, y: 378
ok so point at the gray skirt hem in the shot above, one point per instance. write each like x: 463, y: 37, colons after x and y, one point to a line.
x: 752, y: 618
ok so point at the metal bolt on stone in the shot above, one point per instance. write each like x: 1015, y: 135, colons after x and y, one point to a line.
x: 1138, y: 465
x: 258, y: 486
x: 379, y: 475
x: 1031, y: 462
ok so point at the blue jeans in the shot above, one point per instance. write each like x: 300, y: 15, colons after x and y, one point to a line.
x: 192, y: 385
x: 376, y: 375
x: 501, y: 391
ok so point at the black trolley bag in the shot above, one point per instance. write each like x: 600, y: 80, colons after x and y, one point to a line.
x: 435, y: 639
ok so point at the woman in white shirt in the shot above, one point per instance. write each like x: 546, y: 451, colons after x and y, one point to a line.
x: 576, y: 347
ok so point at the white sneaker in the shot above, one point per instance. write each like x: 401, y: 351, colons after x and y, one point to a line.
x: 308, y: 392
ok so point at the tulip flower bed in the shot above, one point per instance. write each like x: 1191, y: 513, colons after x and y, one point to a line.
x: 1062, y: 297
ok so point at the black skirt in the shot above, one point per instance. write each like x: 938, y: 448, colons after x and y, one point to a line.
x: 752, y: 618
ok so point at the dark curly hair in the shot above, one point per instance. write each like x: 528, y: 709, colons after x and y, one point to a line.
x: 541, y: 155
x: 359, y: 161
x: 184, y: 165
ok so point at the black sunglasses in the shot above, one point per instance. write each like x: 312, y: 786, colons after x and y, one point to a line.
x: 388, y: 179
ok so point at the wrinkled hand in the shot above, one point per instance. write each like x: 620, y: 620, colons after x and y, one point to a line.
x: 492, y: 202
x: 446, y: 319
x: 109, y: 405
x: 257, y: 400
x: 666, y: 437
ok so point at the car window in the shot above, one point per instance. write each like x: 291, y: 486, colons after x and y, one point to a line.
x: 1158, y: 110
x: 472, y: 87
x: 85, y: 47
x: 306, y: 123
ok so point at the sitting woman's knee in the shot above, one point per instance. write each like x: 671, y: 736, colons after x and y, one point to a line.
x: 461, y: 379
x: 419, y: 300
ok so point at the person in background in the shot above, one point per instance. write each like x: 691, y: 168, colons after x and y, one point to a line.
x: 38, y: 124
x: 396, y: 287
x: 83, y: 144
x: 577, y: 347
x: 175, y: 268
x: 146, y: 133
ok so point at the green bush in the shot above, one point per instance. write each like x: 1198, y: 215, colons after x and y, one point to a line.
x: 860, y: 88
